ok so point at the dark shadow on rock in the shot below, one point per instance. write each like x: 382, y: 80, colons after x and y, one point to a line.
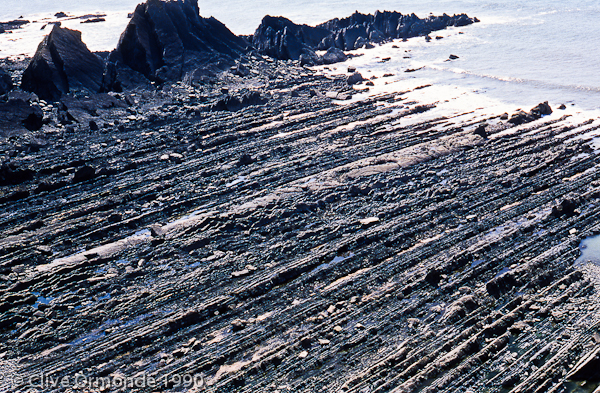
x: 6, y: 83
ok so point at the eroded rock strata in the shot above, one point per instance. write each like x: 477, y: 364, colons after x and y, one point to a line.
x: 300, y: 245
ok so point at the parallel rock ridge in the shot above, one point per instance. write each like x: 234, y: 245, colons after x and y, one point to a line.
x: 280, y: 38
x: 302, y: 244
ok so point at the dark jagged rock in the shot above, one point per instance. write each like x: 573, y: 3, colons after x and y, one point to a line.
x: 541, y: 109
x: 565, y: 208
x: 481, y: 131
x: 355, y: 78
x: 280, y: 38
x: 235, y: 103
x: 12, y: 25
x: 6, y: 83
x: 521, y: 117
x: 62, y: 64
x: 165, y: 40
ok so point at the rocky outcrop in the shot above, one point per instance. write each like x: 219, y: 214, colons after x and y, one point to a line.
x: 12, y: 25
x: 62, y: 64
x: 521, y: 117
x: 6, y: 83
x: 167, y: 39
x: 282, y: 39
x: 357, y: 247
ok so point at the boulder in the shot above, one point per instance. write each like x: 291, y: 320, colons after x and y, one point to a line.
x: 521, y: 117
x: 334, y: 55
x: 6, y: 83
x: 309, y: 57
x: 17, y: 116
x: 481, y: 131
x: 61, y: 64
x: 355, y: 78
x: 541, y: 109
x: 167, y: 39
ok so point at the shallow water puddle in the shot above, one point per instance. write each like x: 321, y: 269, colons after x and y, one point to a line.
x: 41, y: 299
x: 334, y: 261
x: 240, y: 179
x: 590, y: 251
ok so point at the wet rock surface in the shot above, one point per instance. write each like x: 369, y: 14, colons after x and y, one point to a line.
x: 297, y: 245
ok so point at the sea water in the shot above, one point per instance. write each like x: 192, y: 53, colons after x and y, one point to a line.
x: 520, y: 53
